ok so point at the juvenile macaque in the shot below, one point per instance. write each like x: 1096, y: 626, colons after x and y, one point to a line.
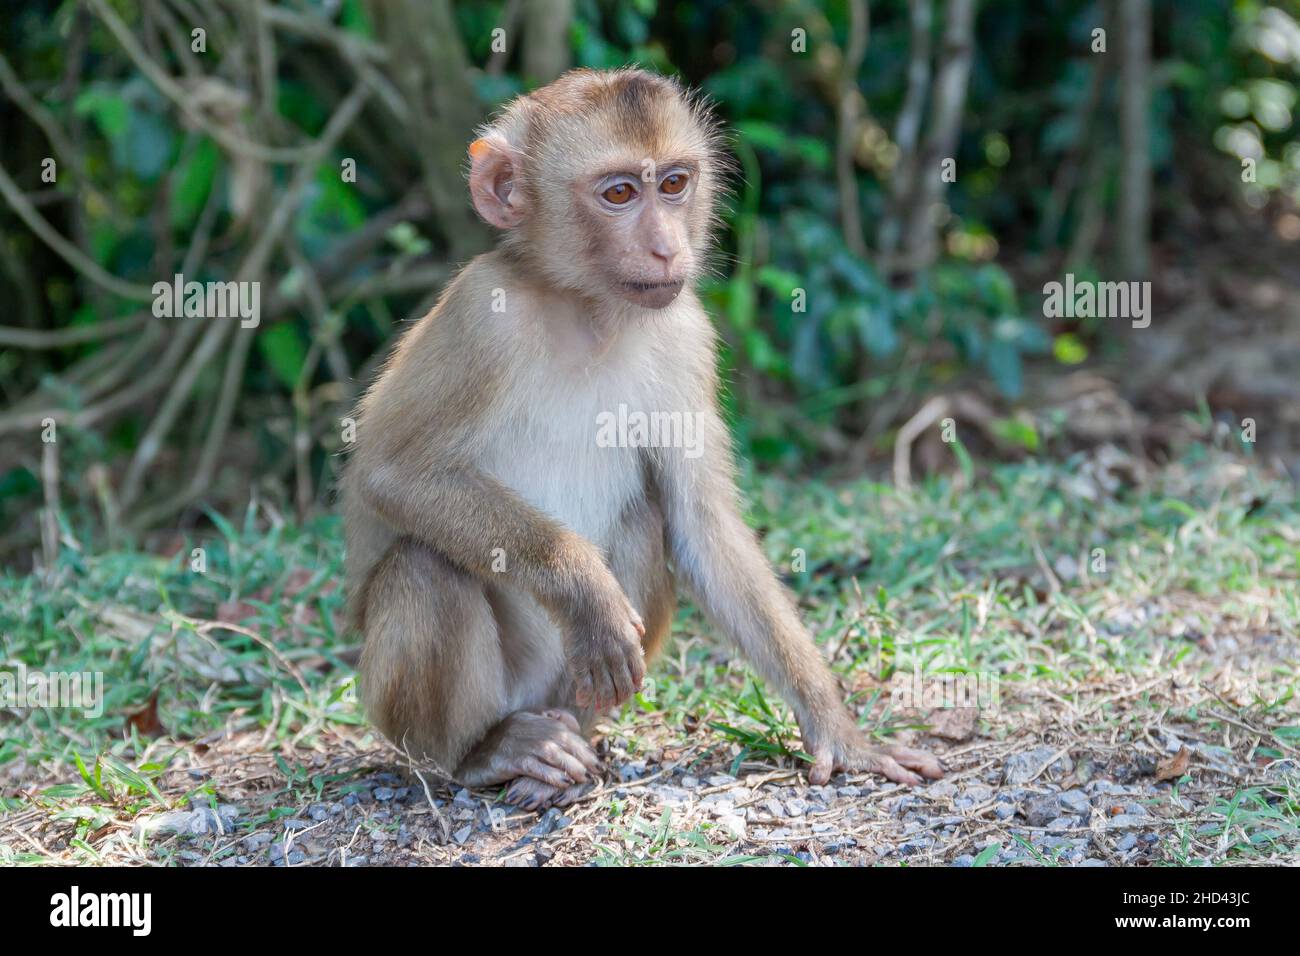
x: 510, y: 571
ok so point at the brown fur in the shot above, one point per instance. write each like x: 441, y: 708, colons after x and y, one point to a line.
x: 510, y: 573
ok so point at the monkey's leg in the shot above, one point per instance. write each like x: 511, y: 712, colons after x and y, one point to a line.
x: 637, y: 560
x: 435, y: 679
x: 640, y: 565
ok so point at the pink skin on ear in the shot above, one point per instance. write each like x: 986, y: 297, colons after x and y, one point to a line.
x: 491, y: 182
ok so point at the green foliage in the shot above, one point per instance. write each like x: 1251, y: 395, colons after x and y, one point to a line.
x: 818, y: 332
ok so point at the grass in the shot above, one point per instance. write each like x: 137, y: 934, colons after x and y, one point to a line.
x: 1082, y: 599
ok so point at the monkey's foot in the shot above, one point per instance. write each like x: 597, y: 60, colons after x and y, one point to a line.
x: 526, y: 793
x: 892, y: 762
x: 544, y: 746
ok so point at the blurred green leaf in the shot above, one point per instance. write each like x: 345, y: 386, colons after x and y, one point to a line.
x: 284, y: 347
x: 194, y: 180
x: 107, y: 108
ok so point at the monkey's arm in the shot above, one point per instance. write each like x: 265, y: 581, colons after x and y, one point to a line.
x: 474, y: 520
x: 721, y: 561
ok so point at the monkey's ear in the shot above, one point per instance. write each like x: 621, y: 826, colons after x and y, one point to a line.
x: 494, y: 163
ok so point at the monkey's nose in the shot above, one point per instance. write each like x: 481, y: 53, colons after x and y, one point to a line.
x: 665, y: 255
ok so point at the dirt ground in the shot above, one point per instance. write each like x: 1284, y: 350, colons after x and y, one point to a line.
x: 1133, y: 771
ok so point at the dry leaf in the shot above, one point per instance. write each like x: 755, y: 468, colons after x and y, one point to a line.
x: 954, y: 723
x: 1171, y: 768
x: 145, y: 721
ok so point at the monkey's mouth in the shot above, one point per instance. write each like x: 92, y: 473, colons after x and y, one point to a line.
x: 652, y: 295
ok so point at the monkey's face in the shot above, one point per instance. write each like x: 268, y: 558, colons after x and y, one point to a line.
x: 640, y: 228
x: 604, y: 183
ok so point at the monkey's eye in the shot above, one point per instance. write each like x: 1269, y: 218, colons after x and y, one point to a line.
x: 619, y: 194
x: 673, y: 184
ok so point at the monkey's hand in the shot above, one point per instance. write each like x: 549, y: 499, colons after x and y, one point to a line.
x: 846, y: 749
x: 607, y: 662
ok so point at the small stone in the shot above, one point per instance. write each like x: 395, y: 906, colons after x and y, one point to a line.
x: 964, y: 860
x: 1020, y: 768
x: 206, y: 820
x: 848, y: 791
x: 1103, y: 786
x: 1127, y: 842
x: 1041, y: 810
x: 1076, y: 802
x: 632, y: 770
x: 691, y: 783
x: 550, y: 821
x: 162, y: 824
x: 903, y: 804
x: 384, y: 794
x: 671, y: 795
x: 461, y: 835
x: 916, y: 845
x: 734, y: 825
x: 1124, y: 820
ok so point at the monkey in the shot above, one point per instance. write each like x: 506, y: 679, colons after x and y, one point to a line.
x: 509, y: 573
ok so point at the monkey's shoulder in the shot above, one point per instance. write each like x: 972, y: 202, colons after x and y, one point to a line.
x: 489, y: 296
